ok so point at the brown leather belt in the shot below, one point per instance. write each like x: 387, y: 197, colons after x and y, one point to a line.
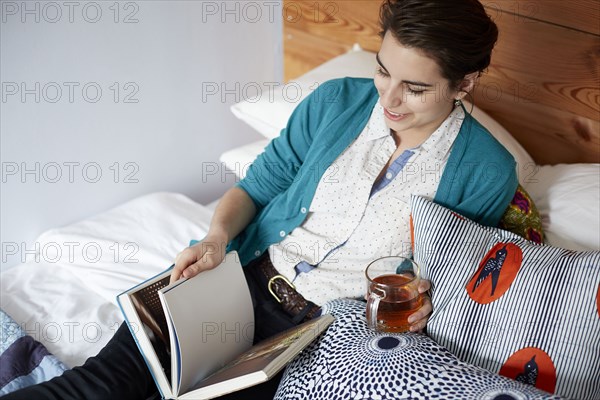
x: 285, y: 292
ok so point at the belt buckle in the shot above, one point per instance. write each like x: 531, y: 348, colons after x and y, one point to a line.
x: 286, y: 280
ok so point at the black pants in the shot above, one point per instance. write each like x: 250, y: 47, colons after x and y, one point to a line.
x: 120, y: 372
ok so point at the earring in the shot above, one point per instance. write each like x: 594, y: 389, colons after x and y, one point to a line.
x: 457, y: 102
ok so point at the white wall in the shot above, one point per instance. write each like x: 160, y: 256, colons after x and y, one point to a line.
x: 155, y: 126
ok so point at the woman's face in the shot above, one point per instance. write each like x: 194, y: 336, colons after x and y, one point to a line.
x: 415, y: 97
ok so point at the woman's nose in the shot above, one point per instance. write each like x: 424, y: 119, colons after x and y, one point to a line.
x: 392, y: 97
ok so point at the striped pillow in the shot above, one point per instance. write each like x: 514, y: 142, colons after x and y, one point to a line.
x: 529, y: 312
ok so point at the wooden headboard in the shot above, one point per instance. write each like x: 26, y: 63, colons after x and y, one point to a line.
x: 543, y: 84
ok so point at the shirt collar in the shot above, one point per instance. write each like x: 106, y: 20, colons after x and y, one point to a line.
x: 443, y: 137
x: 376, y: 127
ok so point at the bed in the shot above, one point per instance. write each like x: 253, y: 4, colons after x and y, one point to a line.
x: 63, y: 296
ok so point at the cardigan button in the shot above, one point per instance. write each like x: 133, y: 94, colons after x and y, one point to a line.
x: 282, y: 233
x: 303, y: 210
x: 257, y: 253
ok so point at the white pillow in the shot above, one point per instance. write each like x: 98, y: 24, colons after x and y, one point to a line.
x: 119, y: 248
x: 567, y: 197
x: 240, y: 158
x: 269, y: 112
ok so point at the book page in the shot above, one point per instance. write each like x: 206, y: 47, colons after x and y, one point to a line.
x: 147, y: 324
x: 149, y: 308
x: 213, y: 320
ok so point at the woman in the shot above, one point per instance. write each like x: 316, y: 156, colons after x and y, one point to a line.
x: 332, y: 192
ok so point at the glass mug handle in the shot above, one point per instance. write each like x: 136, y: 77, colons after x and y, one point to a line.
x: 372, y: 306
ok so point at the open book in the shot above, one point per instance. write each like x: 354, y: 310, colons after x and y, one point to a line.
x: 196, y: 334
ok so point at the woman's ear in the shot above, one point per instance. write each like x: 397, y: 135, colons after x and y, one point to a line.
x: 468, y: 83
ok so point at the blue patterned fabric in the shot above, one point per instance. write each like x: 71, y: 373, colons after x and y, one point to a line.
x: 23, y: 360
x: 351, y: 361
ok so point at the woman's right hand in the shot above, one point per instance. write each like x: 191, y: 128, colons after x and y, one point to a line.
x: 233, y: 213
x: 202, y: 256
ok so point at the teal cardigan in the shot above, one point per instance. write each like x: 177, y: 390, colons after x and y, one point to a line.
x: 478, y: 182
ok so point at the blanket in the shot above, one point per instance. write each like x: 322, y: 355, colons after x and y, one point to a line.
x: 23, y: 360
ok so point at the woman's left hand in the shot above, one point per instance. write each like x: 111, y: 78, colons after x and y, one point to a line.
x: 418, y: 320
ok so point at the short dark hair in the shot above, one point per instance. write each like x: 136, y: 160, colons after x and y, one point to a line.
x: 457, y: 34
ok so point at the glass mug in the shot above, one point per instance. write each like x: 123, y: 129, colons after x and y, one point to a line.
x: 392, y: 293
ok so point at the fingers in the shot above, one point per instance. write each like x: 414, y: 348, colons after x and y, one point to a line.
x: 418, y: 320
x: 195, y: 259
x: 205, y: 263
x: 424, y: 286
x: 419, y: 325
x: 182, y: 261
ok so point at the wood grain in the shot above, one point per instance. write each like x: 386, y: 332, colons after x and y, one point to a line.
x: 544, y: 87
x: 297, y: 60
x: 316, y: 31
x: 550, y: 135
x: 543, y: 84
x: 582, y: 15
x: 347, y: 21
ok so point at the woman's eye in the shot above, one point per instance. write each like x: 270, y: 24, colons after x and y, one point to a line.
x: 381, y: 72
x: 416, y: 91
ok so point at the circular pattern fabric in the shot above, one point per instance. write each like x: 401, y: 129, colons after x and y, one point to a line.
x: 351, y: 361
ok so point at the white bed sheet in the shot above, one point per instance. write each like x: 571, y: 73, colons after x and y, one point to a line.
x: 65, y: 295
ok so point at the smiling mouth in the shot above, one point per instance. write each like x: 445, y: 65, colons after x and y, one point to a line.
x: 393, y: 116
